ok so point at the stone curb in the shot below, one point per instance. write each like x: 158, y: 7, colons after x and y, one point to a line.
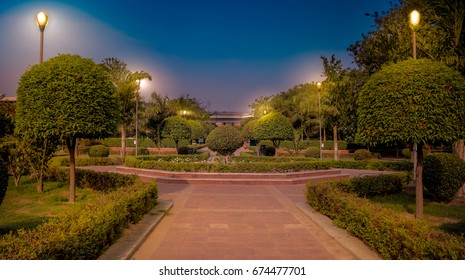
x: 133, y: 237
x: 355, y: 246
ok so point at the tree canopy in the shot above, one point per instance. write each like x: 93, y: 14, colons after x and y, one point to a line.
x: 225, y: 140
x: 275, y: 127
x: 66, y: 97
x: 176, y: 128
x: 413, y: 101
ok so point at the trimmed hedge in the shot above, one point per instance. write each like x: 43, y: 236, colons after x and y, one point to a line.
x: 84, y: 233
x: 176, y: 158
x: 388, y: 232
x: 99, y: 151
x: 289, y: 145
x: 116, y: 142
x: 443, y: 175
x: 141, y: 151
x: 85, y: 161
x: 362, y: 154
x: 240, y: 167
x: 99, y: 181
x: 266, y: 165
x: 379, y: 185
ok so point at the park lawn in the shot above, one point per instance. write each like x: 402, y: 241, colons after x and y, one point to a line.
x: 24, y: 207
x: 449, y: 217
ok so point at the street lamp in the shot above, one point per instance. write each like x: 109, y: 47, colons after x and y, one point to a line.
x: 137, y: 115
x: 42, y: 20
x: 319, y: 115
x: 414, y: 21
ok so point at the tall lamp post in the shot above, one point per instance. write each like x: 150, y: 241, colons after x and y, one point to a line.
x: 136, y: 142
x: 319, y: 115
x: 42, y: 20
x: 414, y: 21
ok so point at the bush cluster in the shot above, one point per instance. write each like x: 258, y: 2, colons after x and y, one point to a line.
x: 3, y: 171
x: 289, y: 145
x: 97, y: 161
x: 313, y: 152
x: 264, y: 164
x: 141, y: 151
x: 84, y: 233
x: 406, y: 153
x: 362, y: 154
x: 389, y: 233
x: 99, y: 151
x: 99, y: 181
x: 379, y: 185
x: 116, y: 142
x: 443, y: 175
x: 225, y: 140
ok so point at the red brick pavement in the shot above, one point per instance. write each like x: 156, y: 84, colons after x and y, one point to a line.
x: 237, y: 223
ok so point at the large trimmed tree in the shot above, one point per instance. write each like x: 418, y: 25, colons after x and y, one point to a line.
x: 274, y: 127
x: 176, y: 128
x: 413, y: 101
x: 225, y: 140
x: 66, y: 97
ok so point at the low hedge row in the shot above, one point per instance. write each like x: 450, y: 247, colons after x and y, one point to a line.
x: 84, y: 233
x: 116, y: 142
x: 240, y: 167
x: 88, y: 161
x: 267, y: 166
x: 370, y: 186
x: 289, y: 145
x: 389, y: 233
x: 176, y: 158
x: 99, y: 181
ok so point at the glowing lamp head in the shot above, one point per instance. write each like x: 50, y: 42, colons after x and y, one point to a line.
x: 42, y: 20
x: 414, y: 18
x: 318, y: 85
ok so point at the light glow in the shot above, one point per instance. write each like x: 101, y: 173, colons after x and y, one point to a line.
x: 414, y: 18
x: 318, y: 85
x: 42, y: 19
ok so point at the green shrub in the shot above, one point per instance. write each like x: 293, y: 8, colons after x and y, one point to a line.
x: 183, y: 150
x: 99, y: 181
x: 225, y: 140
x: 116, y: 142
x: 443, y: 175
x: 84, y: 233
x: 3, y: 179
x: 96, y: 161
x: 369, y: 186
x: 99, y: 151
x: 389, y: 233
x: 362, y: 154
x: 406, y: 153
x: 313, y: 152
x: 141, y: 151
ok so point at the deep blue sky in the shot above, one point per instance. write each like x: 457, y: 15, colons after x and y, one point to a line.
x: 224, y: 53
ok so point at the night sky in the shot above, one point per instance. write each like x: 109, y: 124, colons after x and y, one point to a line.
x: 224, y: 53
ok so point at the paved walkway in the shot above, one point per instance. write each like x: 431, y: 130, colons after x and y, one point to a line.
x: 235, y: 222
x: 238, y: 223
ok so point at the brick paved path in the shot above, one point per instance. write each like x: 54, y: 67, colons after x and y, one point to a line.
x: 237, y: 223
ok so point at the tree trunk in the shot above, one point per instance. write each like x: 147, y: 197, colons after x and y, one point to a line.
x: 72, y: 169
x: 419, y: 183
x: 336, y: 150
x: 40, y: 175
x: 459, y: 149
x: 123, y: 142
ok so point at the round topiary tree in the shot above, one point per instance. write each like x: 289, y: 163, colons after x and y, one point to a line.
x: 443, y: 175
x: 274, y: 127
x: 176, y: 128
x: 225, y: 140
x: 413, y: 101
x: 67, y: 97
x: 362, y: 154
x: 197, y: 130
x: 99, y: 151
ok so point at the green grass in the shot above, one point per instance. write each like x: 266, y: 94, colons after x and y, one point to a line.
x: 448, y: 217
x: 24, y: 207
